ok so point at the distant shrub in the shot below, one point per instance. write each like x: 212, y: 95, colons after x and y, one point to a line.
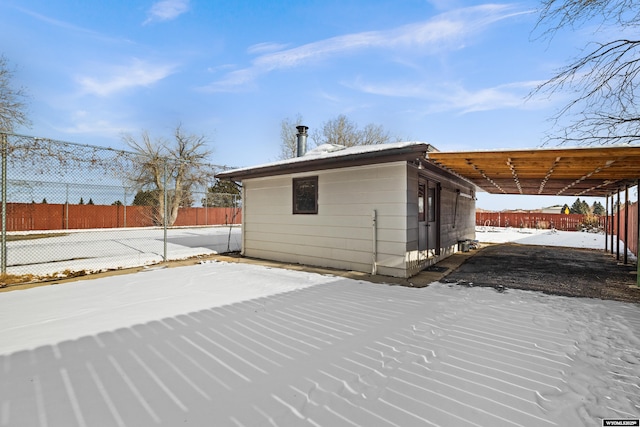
x: 590, y: 222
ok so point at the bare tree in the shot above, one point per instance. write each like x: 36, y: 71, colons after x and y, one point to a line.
x: 342, y: 131
x: 605, y: 80
x: 338, y: 131
x: 288, y: 137
x: 374, y: 134
x: 558, y: 14
x: 12, y: 100
x: 171, y: 167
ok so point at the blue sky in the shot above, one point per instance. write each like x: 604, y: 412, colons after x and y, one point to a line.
x: 452, y: 73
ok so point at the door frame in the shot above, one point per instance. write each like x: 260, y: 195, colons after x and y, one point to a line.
x: 429, y: 236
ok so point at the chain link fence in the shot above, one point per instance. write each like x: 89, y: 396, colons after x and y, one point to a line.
x: 70, y: 209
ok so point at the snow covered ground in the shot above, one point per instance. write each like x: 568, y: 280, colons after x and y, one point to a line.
x: 244, y: 345
x: 529, y: 236
x: 109, y: 249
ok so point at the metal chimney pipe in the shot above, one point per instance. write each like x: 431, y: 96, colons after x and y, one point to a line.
x: 301, y: 148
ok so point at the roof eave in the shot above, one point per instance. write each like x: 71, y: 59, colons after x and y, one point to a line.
x: 356, y: 159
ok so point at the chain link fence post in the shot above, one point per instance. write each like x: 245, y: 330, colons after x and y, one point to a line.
x: 62, y: 203
x: 164, y: 215
x: 5, y: 147
x: 124, y: 210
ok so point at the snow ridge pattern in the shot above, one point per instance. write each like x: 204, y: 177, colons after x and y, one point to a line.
x: 337, y: 352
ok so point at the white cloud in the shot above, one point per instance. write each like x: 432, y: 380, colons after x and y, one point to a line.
x: 265, y: 47
x: 234, y: 81
x: 223, y: 67
x: 102, y: 127
x: 454, y: 97
x: 444, y: 4
x: 512, y: 95
x: 70, y: 27
x: 445, y: 31
x: 94, y: 122
x: 166, y: 10
x: 138, y: 73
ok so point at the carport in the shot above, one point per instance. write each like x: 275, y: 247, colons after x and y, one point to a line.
x: 581, y: 172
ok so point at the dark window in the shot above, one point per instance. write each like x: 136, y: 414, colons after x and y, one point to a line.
x: 305, y: 195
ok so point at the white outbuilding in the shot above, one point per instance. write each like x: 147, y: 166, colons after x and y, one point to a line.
x: 381, y: 209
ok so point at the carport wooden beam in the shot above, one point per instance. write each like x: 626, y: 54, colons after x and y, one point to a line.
x: 593, y: 171
x: 588, y: 171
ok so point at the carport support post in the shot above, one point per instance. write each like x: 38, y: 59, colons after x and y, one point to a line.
x: 618, y: 228
x: 611, y: 225
x: 638, y: 235
x: 626, y: 222
x: 606, y: 224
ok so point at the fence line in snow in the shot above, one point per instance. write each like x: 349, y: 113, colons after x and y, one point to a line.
x: 53, y: 216
x: 632, y: 233
x: 48, y: 184
x: 570, y: 222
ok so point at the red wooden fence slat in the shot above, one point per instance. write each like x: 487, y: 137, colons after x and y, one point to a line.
x: 632, y: 235
x: 50, y: 216
x: 571, y: 222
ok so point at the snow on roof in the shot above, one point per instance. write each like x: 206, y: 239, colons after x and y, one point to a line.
x: 328, y: 151
x: 544, y: 148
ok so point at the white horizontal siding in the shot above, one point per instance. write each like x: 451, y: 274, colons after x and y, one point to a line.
x: 315, y: 233
x: 339, y: 219
x: 456, y: 223
x: 260, y: 239
x: 341, y: 234
x: 288, y: 255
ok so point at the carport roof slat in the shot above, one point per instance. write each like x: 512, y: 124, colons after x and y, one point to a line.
x: 591, y: 171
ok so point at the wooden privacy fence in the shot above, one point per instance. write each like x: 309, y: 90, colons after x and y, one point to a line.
x: 45, y: 216
x: 631, y: 235
x: 571, y: 222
